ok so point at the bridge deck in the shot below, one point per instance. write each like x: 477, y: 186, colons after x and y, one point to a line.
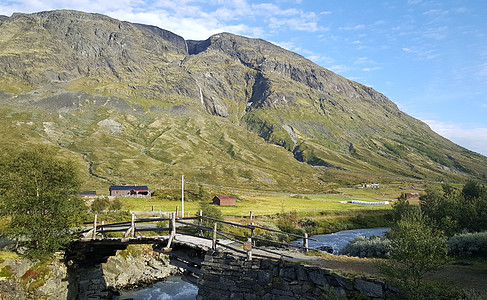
x: 182, y: 239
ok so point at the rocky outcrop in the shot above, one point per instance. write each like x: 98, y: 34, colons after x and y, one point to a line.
x: 21, y: 278
x: 27, y: 279
x: 128, y: 271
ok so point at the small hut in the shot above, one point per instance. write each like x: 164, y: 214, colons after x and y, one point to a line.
x: 411, y: 195
x: 225, y: 200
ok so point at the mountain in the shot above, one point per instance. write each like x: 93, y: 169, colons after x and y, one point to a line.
x: 137, y: 104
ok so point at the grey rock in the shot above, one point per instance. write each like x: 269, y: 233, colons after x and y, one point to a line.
x: 317, y: 277
x: 264, y: 277
x: 369, y: 288
x: 343, y: 282
x: 288, y: 273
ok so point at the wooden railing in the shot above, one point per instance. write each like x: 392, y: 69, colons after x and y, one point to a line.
x: 193, y: 226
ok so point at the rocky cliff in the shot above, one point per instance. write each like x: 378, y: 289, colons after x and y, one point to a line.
x: 136, y: 103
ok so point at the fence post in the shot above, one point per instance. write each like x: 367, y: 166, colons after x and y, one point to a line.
x: 213, y: 240
x: 251, y: 215
x: 305, y: 242
x: 177, y: 210
x: 132, y: 227
x: 249, y: 251
x: 200, y: 221
x: 94, y: 227
x: 252, y: 234
x: 172, y: 227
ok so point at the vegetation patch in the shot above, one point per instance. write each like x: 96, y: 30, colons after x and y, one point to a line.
x: 5, y: 271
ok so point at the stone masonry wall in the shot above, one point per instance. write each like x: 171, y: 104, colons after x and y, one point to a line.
x: 225, y: 276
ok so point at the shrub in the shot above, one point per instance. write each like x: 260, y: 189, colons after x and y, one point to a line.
x: 468, y: 244
x: 116, y: 204
x: 100, y: 204
x: 307, y: 222
x: 367, y: 247
x: 415, y: 249
x: 288, y: 222
x: 211, y: 211
x: 270, y: 235
x: 309, y: 225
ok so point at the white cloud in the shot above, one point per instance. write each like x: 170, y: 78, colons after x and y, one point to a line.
x: 412, y: 2
x: 482, y: 74
x: 297, y: 24
x: 364, y: 60
x: 356, y: 27
x: 338, y: 68
x: 371, y: 69
x: 286, y: 45
x: 422, y: 54
x: 192, y: 19
x: 320, y: 59
x: 474, y: 139
x: 435, y: 12
x: 436, y: 33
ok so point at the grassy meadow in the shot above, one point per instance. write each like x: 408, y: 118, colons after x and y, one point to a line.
x: 272, y: 204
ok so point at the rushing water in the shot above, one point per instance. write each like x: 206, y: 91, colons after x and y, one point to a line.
x: 175, y: 288
x: 172, y: 288
x: 340, y: 239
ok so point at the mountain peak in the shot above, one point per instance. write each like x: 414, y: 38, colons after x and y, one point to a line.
x: 216, y: 108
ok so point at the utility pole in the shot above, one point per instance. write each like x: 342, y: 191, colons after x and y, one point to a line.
x: 182, y: 196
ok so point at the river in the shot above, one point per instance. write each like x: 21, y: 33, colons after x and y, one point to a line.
x: 340, y: 239
x: 173, y: 288
x: 176, y: 289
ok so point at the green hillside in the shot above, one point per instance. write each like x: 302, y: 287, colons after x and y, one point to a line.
x: 135, y: 104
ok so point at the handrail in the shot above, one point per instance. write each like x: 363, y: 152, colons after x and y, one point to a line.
x: 250, y: 226
x: 130, y: 228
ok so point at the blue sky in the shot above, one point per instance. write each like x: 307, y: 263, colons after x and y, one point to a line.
x: 429, y: 57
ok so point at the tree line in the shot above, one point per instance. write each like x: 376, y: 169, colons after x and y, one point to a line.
x: 422, y: 238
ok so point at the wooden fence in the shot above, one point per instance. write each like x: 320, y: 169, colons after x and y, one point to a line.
x: 193, y: 226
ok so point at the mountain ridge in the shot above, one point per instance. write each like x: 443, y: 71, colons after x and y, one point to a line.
x: 172, y: 96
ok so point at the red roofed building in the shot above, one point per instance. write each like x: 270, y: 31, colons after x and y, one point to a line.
x: 225, y: 200
x: 411, y: 195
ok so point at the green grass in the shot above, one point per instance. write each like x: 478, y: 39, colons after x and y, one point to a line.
x: 7, y: 254
x: 265, y: 205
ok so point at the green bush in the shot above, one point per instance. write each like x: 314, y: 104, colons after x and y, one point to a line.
x: 367, y: 247
x: 116, y: 204
x: 269, y: 235
x: 211, y: 211
x: 100, y: 204
x: 288, y: 222
x: 468, y: 244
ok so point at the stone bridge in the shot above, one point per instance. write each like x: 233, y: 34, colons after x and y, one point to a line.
x: 227, y: 268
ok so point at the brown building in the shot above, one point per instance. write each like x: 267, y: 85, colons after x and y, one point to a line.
x: 225, y: 200
x: 139, y: 191
x: 411, y: 195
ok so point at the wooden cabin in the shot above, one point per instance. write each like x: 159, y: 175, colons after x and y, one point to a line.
x: 225, y: 200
